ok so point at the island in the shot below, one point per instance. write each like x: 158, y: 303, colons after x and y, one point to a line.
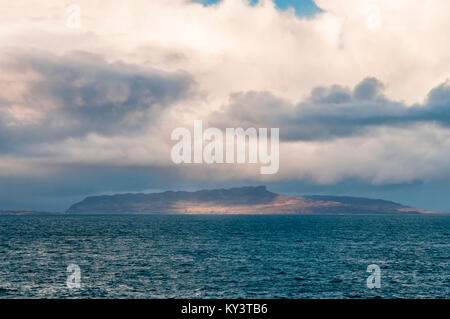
x: 239, y: 200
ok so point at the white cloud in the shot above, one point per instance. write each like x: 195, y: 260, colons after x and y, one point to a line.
x: 264, y: 48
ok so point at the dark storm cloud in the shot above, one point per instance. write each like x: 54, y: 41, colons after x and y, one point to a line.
x: 81, y: 93
x: 331, y: 112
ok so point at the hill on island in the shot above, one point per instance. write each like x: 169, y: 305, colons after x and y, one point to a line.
x: 240, y: 200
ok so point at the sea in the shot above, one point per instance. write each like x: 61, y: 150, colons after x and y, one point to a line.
x: 219, y: 256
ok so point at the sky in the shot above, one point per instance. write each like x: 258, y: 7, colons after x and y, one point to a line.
x: 303, y: 8
x: 360, y: 91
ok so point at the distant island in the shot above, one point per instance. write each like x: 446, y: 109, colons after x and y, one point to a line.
x: 240, y: 200
x: 26, y: 212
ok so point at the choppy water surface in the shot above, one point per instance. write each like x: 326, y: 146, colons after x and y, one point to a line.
x: 225, y: 256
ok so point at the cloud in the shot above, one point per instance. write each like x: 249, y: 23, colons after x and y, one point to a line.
x: 78, y: 94
x: 333, y: 112
x: 234, y: 46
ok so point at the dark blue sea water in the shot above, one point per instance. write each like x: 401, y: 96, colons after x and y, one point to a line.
x: 225, y: 256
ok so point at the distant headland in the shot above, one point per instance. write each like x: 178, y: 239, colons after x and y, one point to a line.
x: 26, y: 212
